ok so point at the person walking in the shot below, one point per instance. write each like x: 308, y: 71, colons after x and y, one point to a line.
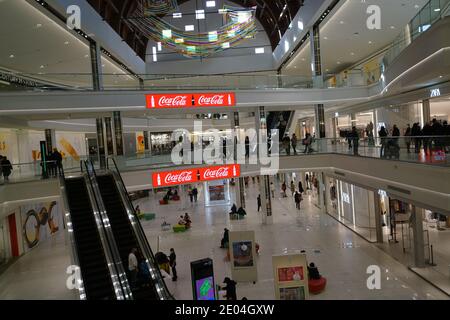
x: 173, y: 264
x: 230, y: 289
x: 6, y: 168
x: 355, y: 139
x: 272, y: 189
x: 247, y: 147
x: 292, y: 188
x: 258, y: 200
x: 407, y: 135
x: 297, y: 198
x: 383, y: 140
x: 300, y: 187
x: 283, y: 189
x: 307, y: 142
x: 195, y: 193
x: 294, y: 143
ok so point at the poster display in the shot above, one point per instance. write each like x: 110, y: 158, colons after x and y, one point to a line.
x: 71, y: 145
x: 140, y: 142
x: 203, y: 285
x: 243, y: 256
x: 290, y: 277
x: 39, y: 222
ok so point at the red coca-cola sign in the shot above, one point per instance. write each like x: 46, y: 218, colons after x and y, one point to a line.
x: 172, y: 178
x: 190, y: 100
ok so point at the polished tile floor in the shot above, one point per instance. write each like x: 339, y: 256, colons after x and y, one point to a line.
x: 342, y: 256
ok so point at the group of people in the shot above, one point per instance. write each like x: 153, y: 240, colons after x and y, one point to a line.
x: 193, y: 194
x: 240, y: 212
x: 54, y: 163
x: 168, y: 263
x: 288, y: 142
x: 434, y: 134
x: 185, y: 220
x: 6, y: 168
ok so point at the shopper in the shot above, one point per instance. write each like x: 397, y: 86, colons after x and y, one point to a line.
x: 133, y: 266
x: 57, y: 158
x: 191, y: 195
x: 143, y: 276
x: 173, y: 264
x: 416, y: 133
x: 355, y: 140
x: 283, y: 189
x: 395, y: 134
x: 247, y: 147
x: 225, y: 238
x: 272, y: 189
x: 258, y: 200
x: 313, y: 272
x: 230, y: 289
x: 298, y: 199
x: 292, y: 188
x: 294, y: 143
x: 383, y: 140
x: 407, y: 135
x: 195, y: 193
x: 6, y: 168
x: 300, y: 187
x: 233, y: 209
x: 307, y: 142
x: 241, y: 212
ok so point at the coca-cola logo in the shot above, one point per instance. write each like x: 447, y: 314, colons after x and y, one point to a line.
x: 178, y: 101
x: 185, y: 176
x: 221, y: 172
x: 211, y: 100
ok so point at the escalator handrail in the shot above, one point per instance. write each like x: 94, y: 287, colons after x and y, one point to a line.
x: 164, y: 293
x: 67, y: 219
x: 118, y: 263
x: 106, y: 241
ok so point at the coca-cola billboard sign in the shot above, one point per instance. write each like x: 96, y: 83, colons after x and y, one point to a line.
x: 173, y: 178
x: 190, y: 100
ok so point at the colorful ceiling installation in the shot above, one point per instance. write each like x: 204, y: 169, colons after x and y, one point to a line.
x: 239, y: 25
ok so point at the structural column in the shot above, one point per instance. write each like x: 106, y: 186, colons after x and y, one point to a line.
x: 50, y: 140
x: 239, y: 186
x: 377, y: 212
x: 266, y: 200
x: 419, y: 244
x: 101, y: 143
x: 426, y: 111
x: 96, y: 66
x: 109, y: 147
x: 118, y: 134
x: 322, y: 193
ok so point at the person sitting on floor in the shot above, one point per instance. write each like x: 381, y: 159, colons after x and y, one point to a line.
x: 182, y: 222
x: 233, y: 209
x: 313, y: 272
x: 241, y: 212
x: 187, y: 219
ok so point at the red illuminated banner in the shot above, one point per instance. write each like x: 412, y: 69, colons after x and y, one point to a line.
x: 190, y: 100
x: 172, y: 178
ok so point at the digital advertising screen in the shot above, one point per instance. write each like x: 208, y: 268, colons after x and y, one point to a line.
x: 205, y: 289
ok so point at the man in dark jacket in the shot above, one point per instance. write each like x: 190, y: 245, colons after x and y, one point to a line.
x: 230, y: 289
x: 57, y: 164
x: 6, y: 167
x: 173, y: 264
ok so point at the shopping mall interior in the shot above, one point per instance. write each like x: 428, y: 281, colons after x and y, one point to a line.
x: 224, y: 150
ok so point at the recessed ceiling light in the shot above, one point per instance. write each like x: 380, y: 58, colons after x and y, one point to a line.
x: 338, y: 62
x: 392, y: 27
x: 416, y: 6
x: 86, y: 56
x: 38, y: 25
x: 295, y: 67
x: 370, y: 42
x: 441, y: 77
x: 66, y: 43
x: 437, y: 9
x: 11, y: 56
x: 341, y: 22
x: 103, y: 65
x: 326, y: 38
x: 303, y: 59
x: 42, y: 66
x: 352, y: 53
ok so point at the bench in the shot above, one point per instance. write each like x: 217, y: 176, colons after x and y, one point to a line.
x: 149, y: 216
x: 179, y: 228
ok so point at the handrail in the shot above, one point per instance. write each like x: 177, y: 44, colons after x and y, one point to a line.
x: 67, y: 219
x: 162, y: 289
x: 108, y: 244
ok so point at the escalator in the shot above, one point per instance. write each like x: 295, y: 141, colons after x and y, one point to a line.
x: 123, y: 231
x: 97, y: 281
x: 280, y: 121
